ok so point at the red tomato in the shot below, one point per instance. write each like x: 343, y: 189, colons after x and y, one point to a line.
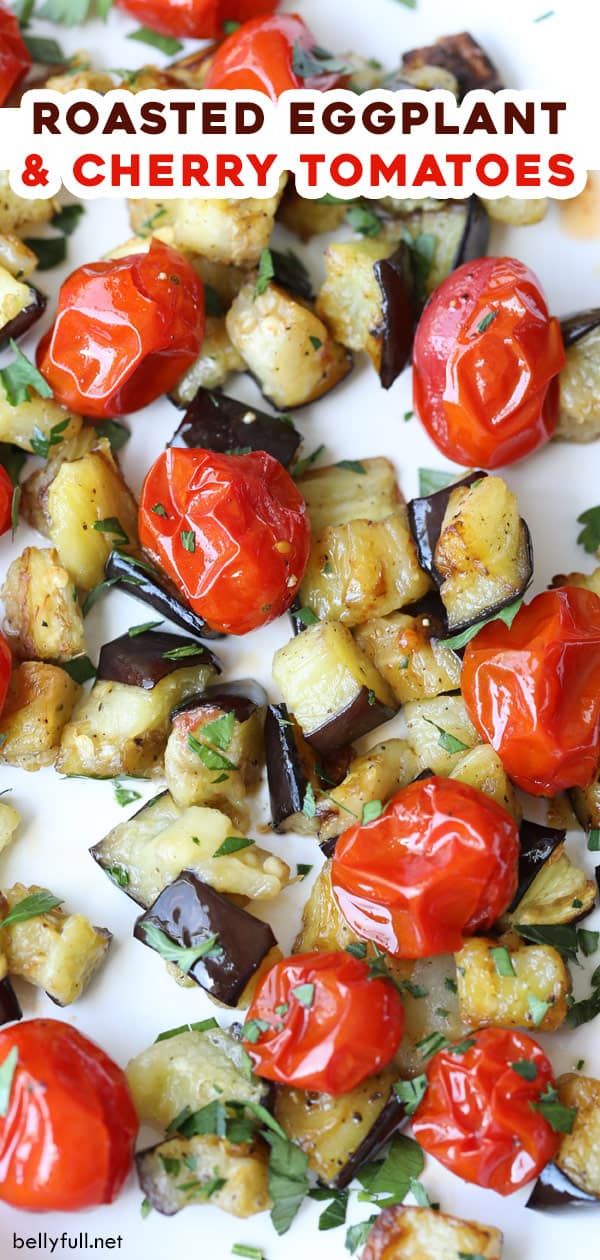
x: 440, y: 862
x: 478, y: 1116
x: 533, y: 691
x: 6, y: 498
x: 317, y: 1021
x: 260, y: 56
x: 5, y: 669
x: 125, y: 332
x: 15, y: 58
x: 201, y: 19
x: 486, y: 360
x: 67, y: 1139
x: 232, y: 531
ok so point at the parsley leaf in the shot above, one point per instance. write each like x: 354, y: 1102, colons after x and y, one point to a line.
x: 371, y: 810
x: 334, y: 1214
x: 209, y: 757
x: 352, y: 465
x: 502, y: 961
x: 202, y: 1025
x: 393, y: 1175
x: 50, y: 251
x: 356, y: 1235
x: 561, y: 1119
x: 124, y: 795
x: 306, y: 616
x: 589, y: 538
x: 288, y: 1179
x: 266, y: 272
x: 112, y: 525
x: 42, y: 443
x: 80, y: 669
x: 411, y: 1092
x: 67, y: 218
x: 116, y: 433
x: 525, y: 1068
x: 487, y: 320
x: 364, y: 221
x: 220, y: 732
x: 31, y: 907
x: 304, y: 994
x: 301, y: 465
x: 432, y: 479
x: 232, y: 844
x: 309, y: 804
x: 164, y: 43
x: 507, y: 615
x: 21, y: 376
x: 309, y: 63
x: 74, y: 12
x: 185, y: 958
x: 448, y: 742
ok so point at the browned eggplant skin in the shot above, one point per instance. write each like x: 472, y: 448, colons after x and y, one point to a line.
x: 141, y: 660
x: 476, y: 235
x: 241, y: 698
x: 289, y: 272
x: 21, y: 323
x: 145, y: 582
x: 387, y: 1123
x: 285, y: 775
x: 554, y: 1190
x: 359, y: 717
x: 463, y: 56
x: 426, y: 515
x: 400, y: 312
x: 10, y: 1007
x: 189, y: 912
x: 215, y: 422
x: 578, y: 325
x: 537, y: 844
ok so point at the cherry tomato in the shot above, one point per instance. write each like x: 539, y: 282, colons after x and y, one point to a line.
x: 67, y: 1139
x: 440, y: 862
x: 260, y: 56
x: 15, y: 58
x: 6, y: 498
x: 200, y: 19
x: 533, y: 691
x: 478, y: 1115
x: 232, y: 531
x: 317, y: 1021
x: 125, y: 332
x: 486, y: 360
x: 5, y: 669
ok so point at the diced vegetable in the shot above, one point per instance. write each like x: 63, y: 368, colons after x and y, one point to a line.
x: 511, y: 988
x: 217, y: 361
x: 579, y: 1154
x: 218, y: 423
x: 440, y: 732
x: 482, y: 768
x: 43, y: 617
x: 445, y: 235
x: 238, y: 708
x: 364, y: 489
x: 40, y: 701
x: 429, y: 1235
x: 17, y: 257
x: 183, y: 1172
x: 21, y: 305
x: 35, y: 422
x: 310, y: 218
x: 20, y: 212
x: 151, y: 586
x: 463, y: 56
x: 579, y: 416
x: 231, y: 230
x: 9, y: 822
x: 560, y: 893
x: 429, y: 996
x: 407, y: 652
x: 331, y: 687
x: 516, y: 211
x: 147, y: 658
x: 323, y: 924
x: 55, y: 951
x: 586, y: 803
x: 374, y: 776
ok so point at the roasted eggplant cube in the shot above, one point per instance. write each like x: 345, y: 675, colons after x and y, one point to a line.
x: 217, y: 361
x: 190, y: 914
x: 9, y: 822
x: 463, y: 56
x: 147, y: 852
x: 439, y: 732
x: 363, y: 569
x: 331, y: 687
x: 21, y: 305
x: 218, y: 423
x: 426, y: 516
x: 181, y: 1173
x: 559, y: 893
x: 426, y: 1234
x: 19, y: 425
x: 364, y: 489
x: 586, y: 803
x: 482, y: 559
x: 482, y: 768
x: 290, y: 771
x: 458, y: 232
x: 39, y: 704
x: 123, y: 729
x: 285, y: 346
x: 55, y: 951
x: 140, y: 578
x: 43, y: 617
x: 368, y: 302
x: 430, y: 1000
x: 407, y: 652
x: 579, y: 415
x: 145, y: 659
x: 323, y: 924
x: 553, y: 1190
x: 306, y: 218
x: 504, y: 989
x: 537, y: 843
x: 190, y: 1070
x: 340, y: 1134
x: 226, y: 230
x: 190, y: 758
x: 579, y: 1152
x: 374, y: 776
x: 10, y: 1007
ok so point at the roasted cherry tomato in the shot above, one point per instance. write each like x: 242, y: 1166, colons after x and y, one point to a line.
x: 125, y: 332
x: 486, y: 360
x: 533, y: 691
x: 479, y: 1116
x: 67, y: 1138
x: 261, y: 56
x: 5, y: 669
x: 6, y: 498
x: 15, y: 58
x: 317, y: 1021
x: 201, y: 19
x: 440, y: 862
x: 232, y: 531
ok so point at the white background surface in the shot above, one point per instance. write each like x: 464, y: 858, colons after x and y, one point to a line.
x: 133, y: 998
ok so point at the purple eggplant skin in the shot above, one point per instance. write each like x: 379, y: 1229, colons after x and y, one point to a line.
x: 400, y: 312
x: 386, y: 1125
x: 285, y: 774
x: 476, y: 234
x: 554, y: 1190
x: 359, y: 717
x: 97, y: 850
x: 426, y: 516
x: 140, y: 578
x: 537, y: 844
x: 214, y: 422
x: 463, y: 56
x: 291, y: 274
x: 189, y: 911
x: 25, y: 319
x: 241, y: 698
x: 298, y: 625
x: 578, y: 325
x: 141, y: 660
x: 10, y: 1007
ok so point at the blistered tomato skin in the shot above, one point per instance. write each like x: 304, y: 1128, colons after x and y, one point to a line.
x: 260, y: 56
x: 5, y: 669
x: 200, y: 19
x: 15, y: 58
x: 232, y: 531
x: 486, y: 360
x: 533, y: 691
x: 125, y: 332
x: 323, y: 1024
x: 67, y: 1139
x: 478, y: 1116
x: 438, y: 864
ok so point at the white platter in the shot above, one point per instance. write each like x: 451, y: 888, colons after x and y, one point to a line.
x: 133, y: 998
